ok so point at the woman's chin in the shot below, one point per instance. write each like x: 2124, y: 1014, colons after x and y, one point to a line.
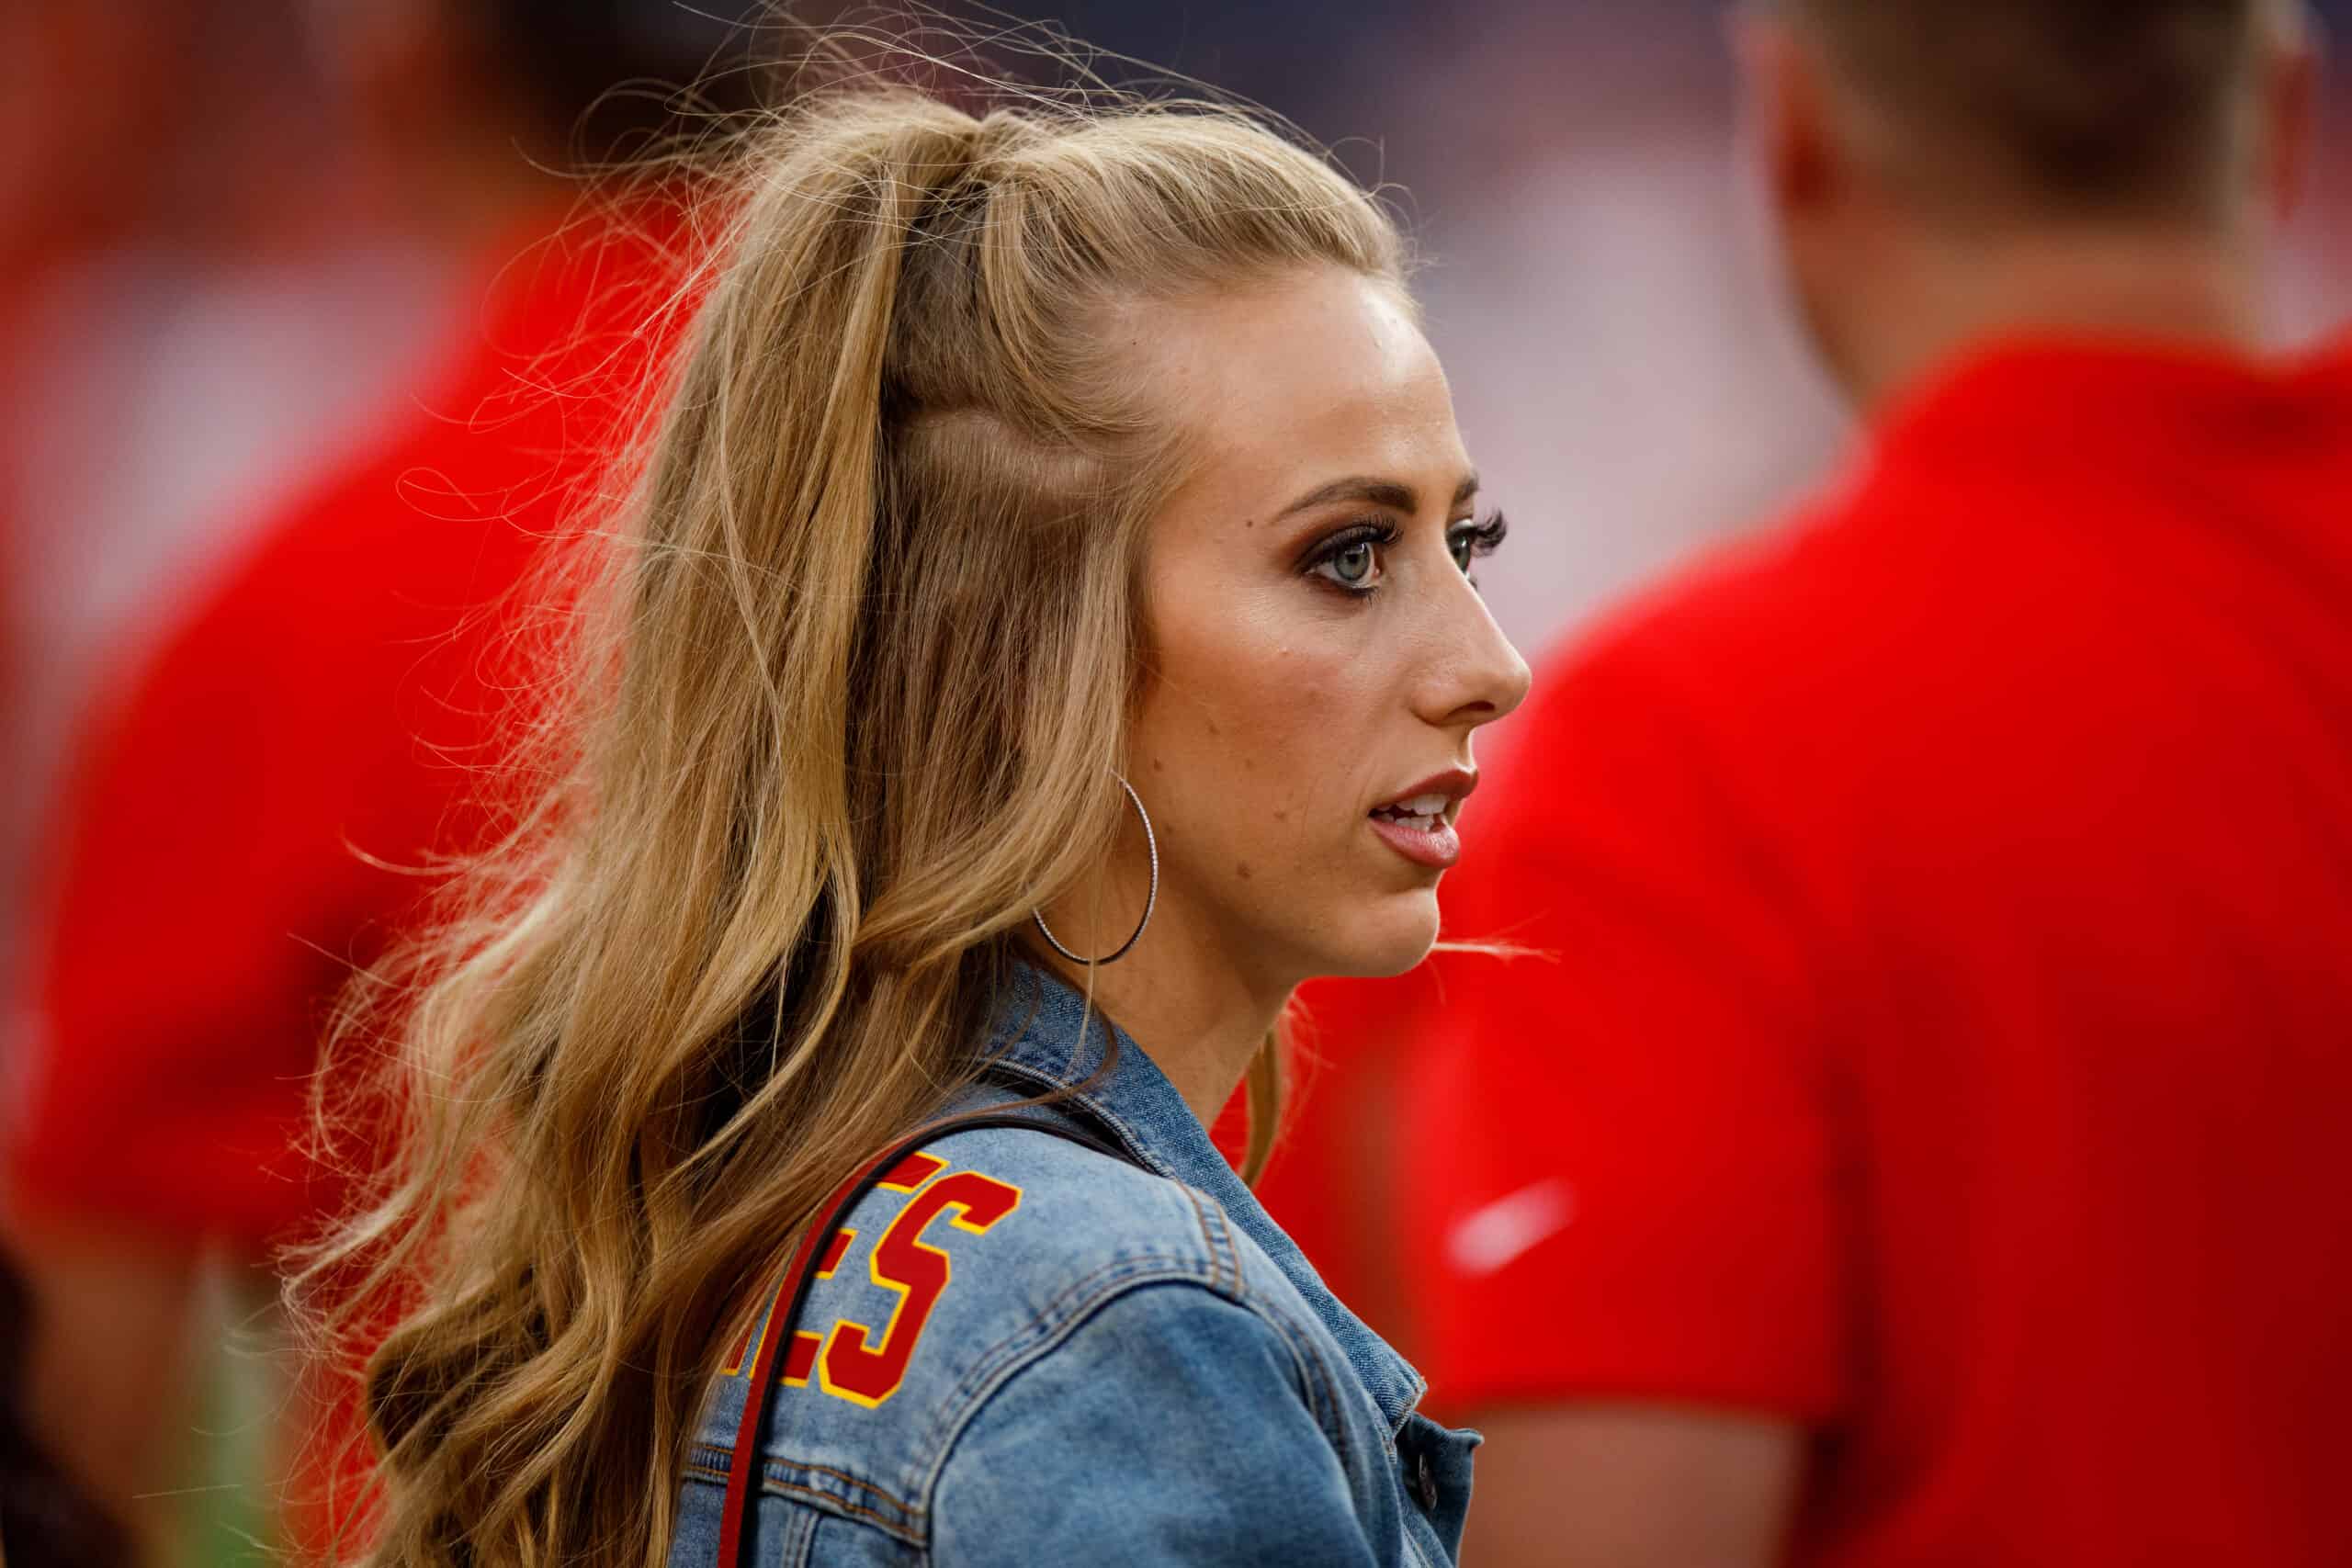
x: 1386, y: 936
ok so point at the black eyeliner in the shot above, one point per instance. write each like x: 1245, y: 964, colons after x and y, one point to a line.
x: 1486, y: 535
x: 1347, y: 538
x: 1379, y: 533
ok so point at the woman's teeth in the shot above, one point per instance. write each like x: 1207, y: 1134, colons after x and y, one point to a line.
x: 1423, y: 811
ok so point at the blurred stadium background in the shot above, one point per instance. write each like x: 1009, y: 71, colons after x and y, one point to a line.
x: 207, y: 297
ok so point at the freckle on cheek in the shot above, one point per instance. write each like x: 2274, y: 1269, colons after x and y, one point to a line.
x: 1281, y: 816
x: 1213, y: 729
x: 1244, y: 869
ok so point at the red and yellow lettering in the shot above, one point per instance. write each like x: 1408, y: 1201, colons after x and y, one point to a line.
x: 911, y: 1172
x: 747, y: 1347
x: 799, y: 1358
x: 868, y: 1370
x: 851, y: 1361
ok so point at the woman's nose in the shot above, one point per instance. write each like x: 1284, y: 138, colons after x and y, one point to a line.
x: 1484, y: 678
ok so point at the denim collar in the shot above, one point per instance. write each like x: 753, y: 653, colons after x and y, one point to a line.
x: 1035, y: 1044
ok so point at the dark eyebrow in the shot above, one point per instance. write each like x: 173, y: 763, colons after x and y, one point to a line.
x: 1377, y: 492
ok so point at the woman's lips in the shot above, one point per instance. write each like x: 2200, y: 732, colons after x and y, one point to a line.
x: 1438, y: 847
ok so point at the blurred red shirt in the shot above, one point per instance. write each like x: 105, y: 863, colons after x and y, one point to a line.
x: 1943, y: 1034
x: 251, y: 821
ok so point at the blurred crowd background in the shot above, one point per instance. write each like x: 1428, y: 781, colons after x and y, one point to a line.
x: 223, y: 280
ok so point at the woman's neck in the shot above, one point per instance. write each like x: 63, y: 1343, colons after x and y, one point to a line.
x: 1187, y: 1003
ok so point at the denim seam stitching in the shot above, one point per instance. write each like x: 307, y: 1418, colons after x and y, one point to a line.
x: 1070, y: 1305
x: 1135, y: 1144
x: 770, y: 1480
x: 1012, y: 1360
x: 1140, y: 1269
x: 1218, y: 1257
x: 1315, y: 1377
x: 808, y: 1553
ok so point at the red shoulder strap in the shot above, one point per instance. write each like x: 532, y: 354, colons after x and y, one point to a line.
x: 792, y: 1297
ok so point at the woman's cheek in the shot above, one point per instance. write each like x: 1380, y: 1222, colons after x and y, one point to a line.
x: 1313, y: 756
x: 1269, y: 726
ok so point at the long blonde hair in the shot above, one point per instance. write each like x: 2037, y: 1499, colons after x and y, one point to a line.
x: 855, y: 679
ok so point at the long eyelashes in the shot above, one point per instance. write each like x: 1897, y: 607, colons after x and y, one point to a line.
x: 1481, y: 537
x: 1352, y: 560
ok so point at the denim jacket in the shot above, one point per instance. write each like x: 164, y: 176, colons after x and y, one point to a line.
x: 1025, y: 1352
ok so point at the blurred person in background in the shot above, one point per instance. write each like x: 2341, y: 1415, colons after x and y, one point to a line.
x: 200, y: 307
x: 47, y: 1519
x: 192, y: 270
x: 1918, y: 1137
x: 82, y: 89
x: 248, y: 815
x: 1534, y: 137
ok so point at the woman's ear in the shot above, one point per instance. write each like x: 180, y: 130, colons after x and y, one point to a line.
x: 1785, y: 101
x: 2288, y: 106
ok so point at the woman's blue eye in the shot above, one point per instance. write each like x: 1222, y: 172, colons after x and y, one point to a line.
x: 1468, y: 541
x: 1351, y: 560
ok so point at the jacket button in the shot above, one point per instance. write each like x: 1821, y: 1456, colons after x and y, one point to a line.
x: 1425, y: 1483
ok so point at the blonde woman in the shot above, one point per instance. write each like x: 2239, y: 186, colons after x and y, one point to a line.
x: 1044, y: 638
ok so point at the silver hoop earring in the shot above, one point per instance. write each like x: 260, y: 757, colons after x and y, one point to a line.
x: 1151, y: 843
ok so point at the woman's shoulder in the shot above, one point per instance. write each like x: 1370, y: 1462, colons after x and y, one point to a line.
x: 1003, y: 1237
x: 978, y: 1256
x: 1079, y: 1194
